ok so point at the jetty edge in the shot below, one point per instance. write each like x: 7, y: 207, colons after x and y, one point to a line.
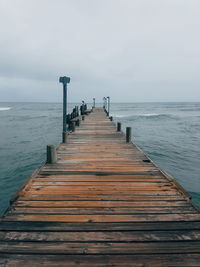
x: 100, y: 202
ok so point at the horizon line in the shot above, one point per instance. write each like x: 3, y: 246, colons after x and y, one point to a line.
x: 114, y: 102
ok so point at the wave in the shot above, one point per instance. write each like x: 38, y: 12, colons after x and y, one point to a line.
x: 121, y: 116
x: 146, y: 115
x: 150, y: 115
x: 137, y: 115
x: 4, y: 108
x: 28, y: 118
x: 190, y: 109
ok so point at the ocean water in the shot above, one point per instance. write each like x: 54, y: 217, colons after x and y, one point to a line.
x: 169, y: 133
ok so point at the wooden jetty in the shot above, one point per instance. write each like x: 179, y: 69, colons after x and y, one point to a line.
x: 103, y: 203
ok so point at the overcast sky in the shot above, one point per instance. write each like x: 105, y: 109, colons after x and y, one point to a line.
x: 132, y: 50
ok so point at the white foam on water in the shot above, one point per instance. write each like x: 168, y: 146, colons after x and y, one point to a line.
x: 121, y: 116
x: 150, y: 114
x: 139, y: 115
x: 4, y: 108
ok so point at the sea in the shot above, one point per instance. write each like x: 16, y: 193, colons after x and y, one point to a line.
x: 169, y: 133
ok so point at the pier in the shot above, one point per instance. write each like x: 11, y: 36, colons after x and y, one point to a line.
x: 100, y: 201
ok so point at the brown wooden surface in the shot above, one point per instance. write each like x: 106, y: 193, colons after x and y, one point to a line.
x: 102, y: 204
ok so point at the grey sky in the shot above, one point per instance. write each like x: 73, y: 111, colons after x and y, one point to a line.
x: 132, y: 50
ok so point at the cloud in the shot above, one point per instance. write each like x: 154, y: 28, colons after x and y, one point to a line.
x: 133, y: 50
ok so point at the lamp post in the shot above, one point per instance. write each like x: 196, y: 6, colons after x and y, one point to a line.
x: 64, y: 80
x: 108, y: 111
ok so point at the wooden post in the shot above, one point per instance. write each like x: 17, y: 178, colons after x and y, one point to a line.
x: 111, y: 118
x: 119, y: 126
x: 51, y: 154
x: 73, y: 126
x: 77, y: 113
x: 128, y: 134
x: 68, y: 119
x: 108, y: 105
x: 104, y: 104
x: 64, y: 137
x: 74, y: 112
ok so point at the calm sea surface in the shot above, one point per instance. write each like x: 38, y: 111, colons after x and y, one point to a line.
x: 168, y: 132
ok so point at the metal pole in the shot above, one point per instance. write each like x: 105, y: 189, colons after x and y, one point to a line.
x: 64, y: 80
x: 64, y: 107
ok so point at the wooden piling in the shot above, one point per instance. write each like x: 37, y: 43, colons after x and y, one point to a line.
x: 51, y: 154
x: 73, y: 126
x: 77, y: 122
x: 119, y: 126
x: 128, y: 134
x: 64, y: 137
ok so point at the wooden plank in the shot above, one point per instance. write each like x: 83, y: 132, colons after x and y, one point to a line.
x: 7, y: 225
x: 114, y: 184
x: 108, y: 210
x: 49, y: 190
x: 103, y: 197
x: 106, y: 248
x: 80, y: 204
x: 156, y: 260
x: 111, y: 236
x: 104, y: 218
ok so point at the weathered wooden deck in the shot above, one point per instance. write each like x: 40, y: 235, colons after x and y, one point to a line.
x: 101, y: 204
